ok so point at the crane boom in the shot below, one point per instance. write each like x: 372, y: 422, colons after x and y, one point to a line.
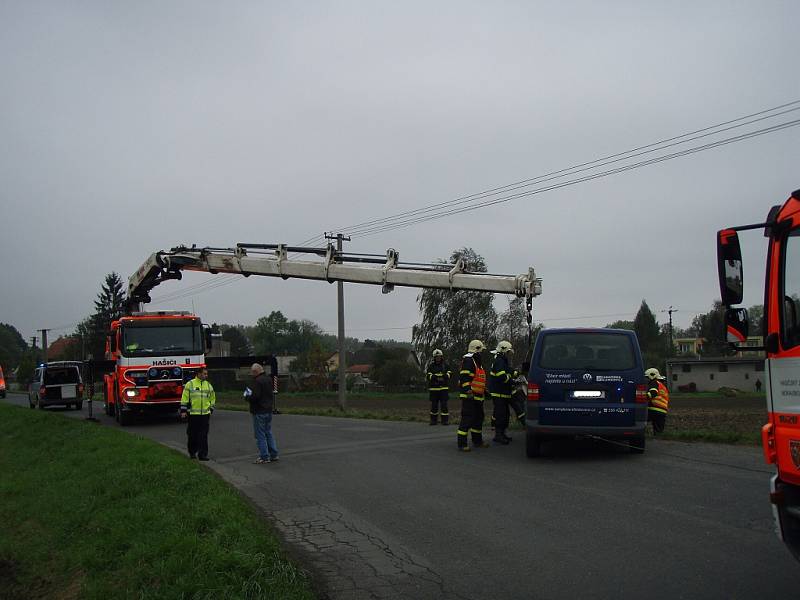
x: 273, y: 260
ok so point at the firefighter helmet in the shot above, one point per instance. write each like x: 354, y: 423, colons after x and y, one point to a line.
x: 504, y: 347
x: 653, y: 374
x: 476, y: 346
x: 437, y: 352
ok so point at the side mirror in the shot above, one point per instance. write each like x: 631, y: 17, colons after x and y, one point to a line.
x: 112, y: 342
x: 209, y: 340
x: 729, y: 266
x: 736, y: 325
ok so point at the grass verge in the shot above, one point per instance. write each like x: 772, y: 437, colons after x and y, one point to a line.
x: 91, y: 512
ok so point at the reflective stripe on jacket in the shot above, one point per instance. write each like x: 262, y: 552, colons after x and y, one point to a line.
x: 500, y: 378
x: 659, y: 397
x: 198, y: 397
x: 471, y: 378
x: 438, y: 376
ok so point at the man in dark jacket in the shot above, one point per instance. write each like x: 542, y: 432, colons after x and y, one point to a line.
x: 438, y: 376
x: 260, y: 397
x: 501, y: 378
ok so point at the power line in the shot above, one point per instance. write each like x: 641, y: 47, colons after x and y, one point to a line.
x: 563, y: 172
x: 651, y: 161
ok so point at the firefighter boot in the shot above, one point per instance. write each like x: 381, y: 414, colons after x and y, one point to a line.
x: 434, y: 417
x: 500, y: 437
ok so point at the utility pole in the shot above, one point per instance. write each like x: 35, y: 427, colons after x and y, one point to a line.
x: 670, y: 310
x: 44, y: 344
x: 340, y: 306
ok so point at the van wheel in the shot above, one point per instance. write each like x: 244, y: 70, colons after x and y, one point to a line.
x: 533, y: 445
x: 30, y: 402
x: 39, y: 404
x: 637, y: 445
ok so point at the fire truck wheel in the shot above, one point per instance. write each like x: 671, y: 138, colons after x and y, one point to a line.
x: 124, y: 417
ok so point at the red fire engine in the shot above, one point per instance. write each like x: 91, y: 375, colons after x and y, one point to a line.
x: 781, y: 329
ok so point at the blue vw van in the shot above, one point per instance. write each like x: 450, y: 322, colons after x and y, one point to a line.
x: 586, y: 382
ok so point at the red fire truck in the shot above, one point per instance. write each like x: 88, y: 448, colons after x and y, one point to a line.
x: 781, y: 329
x: 152, y: 355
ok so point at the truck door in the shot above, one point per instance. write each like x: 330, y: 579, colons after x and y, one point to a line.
x: 783, y: 367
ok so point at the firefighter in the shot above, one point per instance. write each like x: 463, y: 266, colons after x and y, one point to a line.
x: 471, y: 390
x: 438, y: 375
x: 197, y: 404
x: 658, y: 394
x: 501, y: 378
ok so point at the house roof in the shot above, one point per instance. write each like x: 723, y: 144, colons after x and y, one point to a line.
x: 361, y: 369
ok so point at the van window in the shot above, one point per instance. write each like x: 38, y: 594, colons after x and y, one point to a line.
x: 61, y: 376
x: 587, y: 351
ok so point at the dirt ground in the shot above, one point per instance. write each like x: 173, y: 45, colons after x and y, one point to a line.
x: 691, y: 417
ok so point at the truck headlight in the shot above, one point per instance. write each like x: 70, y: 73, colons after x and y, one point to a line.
x: 130, y: 393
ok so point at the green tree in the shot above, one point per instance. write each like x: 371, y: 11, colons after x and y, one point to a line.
x: 622, y: 325
x: 396, y: 372
x: 647, y: 330
x: 451, y: 318
x: 312, y: 360
x: 269, y: 335
x: 109, y: 306
x: 711, y: 327
x: 756, y: 316
x: 12, y: 346
x: 234, y: 334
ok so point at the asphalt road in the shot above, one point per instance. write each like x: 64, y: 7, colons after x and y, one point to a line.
x: 379, y: 509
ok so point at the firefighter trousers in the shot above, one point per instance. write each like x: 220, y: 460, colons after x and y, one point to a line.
x: 471, y: 422
x: 658, y: 419
x: 197, y: 432
x: 500, y: 412
x: 439, y: 406
x: 514, y: 403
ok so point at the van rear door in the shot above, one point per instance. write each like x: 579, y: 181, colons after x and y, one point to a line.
x: 587, y: 379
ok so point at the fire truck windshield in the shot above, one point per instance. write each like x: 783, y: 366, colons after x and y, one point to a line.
x: 162, y: 338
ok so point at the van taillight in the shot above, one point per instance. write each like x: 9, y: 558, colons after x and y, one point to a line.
x: 641, y: 394
x: 533, y: 391
x: 80, y: 389
x: 42, y: 391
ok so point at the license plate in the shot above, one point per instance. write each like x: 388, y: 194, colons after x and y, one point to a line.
x: 67, y: 391
x: 588, y: 394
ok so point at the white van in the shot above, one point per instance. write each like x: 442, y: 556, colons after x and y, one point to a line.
x: 56, y: 383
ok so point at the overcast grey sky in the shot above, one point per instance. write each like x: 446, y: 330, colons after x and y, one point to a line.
x: 129, y: 127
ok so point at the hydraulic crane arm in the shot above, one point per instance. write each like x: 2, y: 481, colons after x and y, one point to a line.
x: 326, y: 264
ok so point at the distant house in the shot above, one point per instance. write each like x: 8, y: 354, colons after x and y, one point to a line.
x: 332, y: 361
x: 694, y: 346
x: 362, y: 370
x: 710, y: 374
x: 63, y: 347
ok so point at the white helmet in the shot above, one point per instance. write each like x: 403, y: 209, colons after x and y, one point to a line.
x: 476, y: 346
x: 652, y: 374
x: 504, y: 347
x: 437, y: 352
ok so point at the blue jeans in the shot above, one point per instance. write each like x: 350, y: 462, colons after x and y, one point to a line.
x: 262, y: 428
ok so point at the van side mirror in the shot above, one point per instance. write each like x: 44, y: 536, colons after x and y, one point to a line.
x: 729, y: 267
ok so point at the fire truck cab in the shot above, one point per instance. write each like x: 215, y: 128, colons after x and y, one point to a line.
x: 781, y: 329
x: 154, y: 355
